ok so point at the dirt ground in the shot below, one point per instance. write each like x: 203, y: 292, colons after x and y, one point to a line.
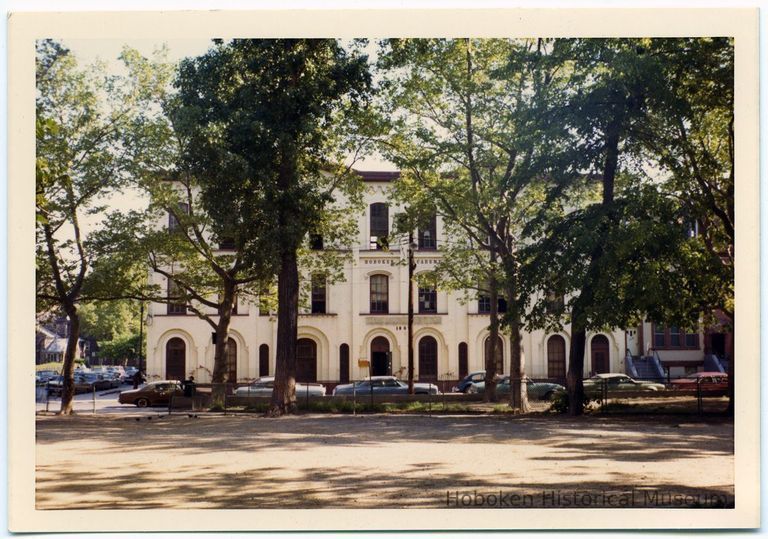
x: 309, y: 461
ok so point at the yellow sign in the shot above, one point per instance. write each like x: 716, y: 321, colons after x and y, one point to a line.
x: 363, y: 363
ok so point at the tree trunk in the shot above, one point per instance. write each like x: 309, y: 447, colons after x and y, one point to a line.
x: 68, y: 368
x: 221, y: 349
x: 518, y: 397
x: 574, y: 380
x: 284, y: 394
x: 491, y: 360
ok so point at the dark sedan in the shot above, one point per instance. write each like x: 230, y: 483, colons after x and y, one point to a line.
x: 152, y: 394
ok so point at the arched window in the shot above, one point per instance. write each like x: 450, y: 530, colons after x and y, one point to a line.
x: 231, y: 361
x: 556, y: 357
x: 379, y: 294
x: 500, y: 357
x: 428, y: 359
x: 264, y: 360
x: 463, y: 360
x: 344, y: 363
x: 379, y: 225
x: 306, y: 361
x: 175, y: 359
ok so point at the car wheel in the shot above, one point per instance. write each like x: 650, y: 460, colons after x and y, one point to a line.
x: 142, y: 403
x: 471, y: 390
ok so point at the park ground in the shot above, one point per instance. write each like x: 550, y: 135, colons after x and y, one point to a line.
x: 197, y: 461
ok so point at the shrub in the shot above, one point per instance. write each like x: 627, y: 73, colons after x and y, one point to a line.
x: 560, y: 403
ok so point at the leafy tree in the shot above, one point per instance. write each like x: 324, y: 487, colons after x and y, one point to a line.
x: 267, y: 148
x: 109, y: 320
x: 618, y: 255
x: 690, y: 135
x: 83, y: 119
x: 475, y: 130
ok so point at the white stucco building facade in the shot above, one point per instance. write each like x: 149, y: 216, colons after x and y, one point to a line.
x: 364, y: 317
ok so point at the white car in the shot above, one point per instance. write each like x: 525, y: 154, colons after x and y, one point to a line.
x: 263, y: 386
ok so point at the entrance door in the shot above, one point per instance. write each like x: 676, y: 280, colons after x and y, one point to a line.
x: 306, y: 361
x: 175, y: 352
x: 600, y: 363
x: 718, y: 345
x: 380, y: 365
x: 428, y: 359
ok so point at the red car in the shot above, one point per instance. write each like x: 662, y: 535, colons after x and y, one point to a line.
x: 709, y: 381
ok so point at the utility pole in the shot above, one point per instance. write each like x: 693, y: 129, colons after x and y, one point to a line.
x: 411, y: 269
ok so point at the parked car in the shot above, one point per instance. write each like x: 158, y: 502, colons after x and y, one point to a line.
x: 263, y: 386
x: 99, y: 381
x: 385, y: 385
x: 708, y: 381
x: 618, y: 382
x: 46, y: 375
x: 536, y: 390
x: 152, y: 394
x: 56, y: 383
x: 463, y: 385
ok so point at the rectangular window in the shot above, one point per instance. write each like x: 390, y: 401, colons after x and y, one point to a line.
x: 428, y: 234
x: 175, y: 291
x: 318, y: 294
x: 483, y: 304
x: 379, y: 294
x: 173, y: 222
x: 379, y: 225
x: 673, y: 337
x: 227, y: 244
x: 316, y: 242
x: 427, y: 300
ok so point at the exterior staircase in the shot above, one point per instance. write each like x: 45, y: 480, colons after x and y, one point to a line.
x: 644, y: 367
x: 712, y: 363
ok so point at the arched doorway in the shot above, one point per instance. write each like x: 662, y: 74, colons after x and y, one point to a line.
x: 306, y: 361
x: 428, y: 359
x: 500, y: 364
x: 600, y: 357
x: 380, y: 357
x: 344, y: 363
x: 463, y: 360
x: 175, y: 359
x: 264, y: 360
x: 556, y: 357
x: 231, y: 361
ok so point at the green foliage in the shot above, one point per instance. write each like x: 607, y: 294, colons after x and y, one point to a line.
x: 109, y: 320
x: 121, y: 349
x: 262, y: 119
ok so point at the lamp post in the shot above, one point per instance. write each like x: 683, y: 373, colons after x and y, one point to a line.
x: 411, y: 268
x: 141, y: 334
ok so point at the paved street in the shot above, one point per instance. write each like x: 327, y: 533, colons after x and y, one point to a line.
x: 103, y: 402
x: 147, y: 460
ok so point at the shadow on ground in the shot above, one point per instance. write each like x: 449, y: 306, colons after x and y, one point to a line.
x: 574, y: 445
